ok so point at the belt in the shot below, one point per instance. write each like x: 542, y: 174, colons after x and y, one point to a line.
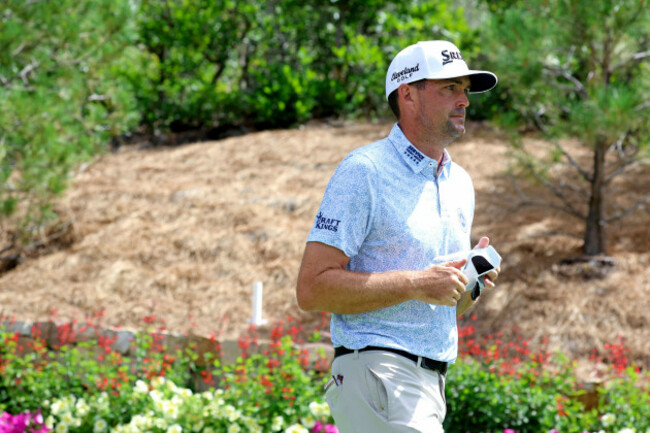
x: 427, y: 363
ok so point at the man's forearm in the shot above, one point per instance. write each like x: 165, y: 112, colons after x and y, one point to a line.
x: 325, y: 284
x: 346, y: 292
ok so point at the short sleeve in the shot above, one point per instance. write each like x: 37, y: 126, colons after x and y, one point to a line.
x: 344, y: 216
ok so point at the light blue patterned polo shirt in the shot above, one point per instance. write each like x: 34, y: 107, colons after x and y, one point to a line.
x: 386, y: 209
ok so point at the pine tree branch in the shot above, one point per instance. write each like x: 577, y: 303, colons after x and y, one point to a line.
x: 640, y: 204
x: 583, y: 173
x: 526, y: 201
x: 553, y: 188
x: 566, y: 74
x: 636, y: 58
x: 625, y: 160
x: 33, y: 2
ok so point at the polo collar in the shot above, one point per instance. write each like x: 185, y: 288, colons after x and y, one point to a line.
x: 415, y: 159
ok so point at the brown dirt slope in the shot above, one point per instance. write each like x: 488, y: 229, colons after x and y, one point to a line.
x: 183, y: 233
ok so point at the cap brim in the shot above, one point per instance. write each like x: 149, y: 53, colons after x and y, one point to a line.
x: 481, y: 81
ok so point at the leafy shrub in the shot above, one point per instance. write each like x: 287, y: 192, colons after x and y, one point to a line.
x: 60, y: 97
x: 495, y: 385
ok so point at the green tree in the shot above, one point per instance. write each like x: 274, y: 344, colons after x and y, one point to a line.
x: 578, y: 69
x: 192, y: 62
x: 60, y: 101
x: 274, y: 63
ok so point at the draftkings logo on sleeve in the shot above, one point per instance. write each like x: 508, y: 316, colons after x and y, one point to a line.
x: 323, y: 223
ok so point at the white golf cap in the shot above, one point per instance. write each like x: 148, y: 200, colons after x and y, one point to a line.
x: 434, y: 60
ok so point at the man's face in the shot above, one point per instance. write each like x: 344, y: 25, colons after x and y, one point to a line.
x: 442, y: 106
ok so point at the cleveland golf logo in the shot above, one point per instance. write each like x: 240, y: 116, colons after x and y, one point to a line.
x: 448, y: 57
x: 323, y: 223
x: 404, y: 73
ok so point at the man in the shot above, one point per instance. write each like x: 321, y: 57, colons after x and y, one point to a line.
x: 387, y: 247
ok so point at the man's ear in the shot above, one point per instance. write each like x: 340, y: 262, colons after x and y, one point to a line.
x: 407, y: 97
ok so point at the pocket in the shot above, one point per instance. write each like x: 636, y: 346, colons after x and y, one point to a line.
x: 332, y: 393
x: 377, y: 392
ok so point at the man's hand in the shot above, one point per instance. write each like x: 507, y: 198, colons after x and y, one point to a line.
x: 491, y: 276
x: 443, y: 284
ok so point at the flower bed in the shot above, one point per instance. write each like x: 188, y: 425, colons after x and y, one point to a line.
x: 86, y: 386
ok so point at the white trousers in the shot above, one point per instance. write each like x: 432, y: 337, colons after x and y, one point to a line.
x: 383, y: 392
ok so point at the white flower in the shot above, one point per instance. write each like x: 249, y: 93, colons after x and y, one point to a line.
x: 141, y: 421
x: 57, y: 407
x: 102, y: 402
x: 175, y: 429
x: 234, y: 428
x: 207, y: 395
x: 319, y: 410
x: 61, y: 428
x: 185, y: 393
x: 627, y: 430
x: 208, y: 430
x: 100, y: 426
x: 176, y: 400
x: 67, y: 419
x: 159, y: 405
x: 158, y: 381
x: 232, y: 413
x: 608, y: 419
x: 82, y: 407
x: 49, y: 422
x: 277, y: 423
x: 160, y: 423
x: 309, y: 421
x: 250, y: 423
x: 170, y: 410
x: 198, y: 426
x: 296, y: 428
x: 156, y: 395
x: 141, y: 387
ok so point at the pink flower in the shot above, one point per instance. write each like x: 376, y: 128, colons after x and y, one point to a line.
x: 18, y: 423
x: 319, y: 427
x: 508, y: 430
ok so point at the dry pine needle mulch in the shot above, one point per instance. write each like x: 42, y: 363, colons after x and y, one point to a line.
x: 183, y: 233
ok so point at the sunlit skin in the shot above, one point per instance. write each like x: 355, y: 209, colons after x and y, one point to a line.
x: 433, y: 117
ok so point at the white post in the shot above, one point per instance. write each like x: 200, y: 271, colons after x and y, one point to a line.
x: 257, y: 305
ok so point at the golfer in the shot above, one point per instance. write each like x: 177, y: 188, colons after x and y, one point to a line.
x: 386, y: 250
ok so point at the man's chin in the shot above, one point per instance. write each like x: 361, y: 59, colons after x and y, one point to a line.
x: 456, y: 130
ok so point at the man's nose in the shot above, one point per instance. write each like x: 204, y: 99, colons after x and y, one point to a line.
x: 463, y: 101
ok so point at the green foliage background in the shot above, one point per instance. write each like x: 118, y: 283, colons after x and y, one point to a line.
x: 62, y: 95
x: 76, y: 75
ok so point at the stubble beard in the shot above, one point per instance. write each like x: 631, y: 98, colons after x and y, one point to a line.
x: 453, y: 132
x: 443, y: 134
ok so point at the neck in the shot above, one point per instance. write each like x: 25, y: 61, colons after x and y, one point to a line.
x: 430, y: 145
